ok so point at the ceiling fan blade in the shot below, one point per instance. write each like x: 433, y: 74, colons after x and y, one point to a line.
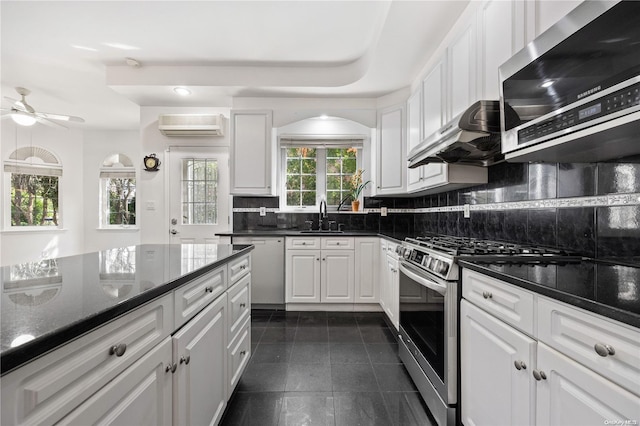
x: 49, y: 123
x: 60, y: 117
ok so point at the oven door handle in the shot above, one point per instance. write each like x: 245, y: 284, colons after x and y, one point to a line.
x: 439, y: 288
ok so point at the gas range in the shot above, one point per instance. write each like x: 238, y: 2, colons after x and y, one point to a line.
x: 437, y: 254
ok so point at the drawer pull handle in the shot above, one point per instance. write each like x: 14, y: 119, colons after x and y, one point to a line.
x: 208, y: 289
x: 242, y: 305
x: 604, y: 350
x: 185, y: 359
x: 243, y: 352
x: 118, y: 350
x: 171, y: 367
x: 243, y: 266
x: 520, y: 365
x: 304, y: 244
x: 539, y: 375
x: 487, y: 295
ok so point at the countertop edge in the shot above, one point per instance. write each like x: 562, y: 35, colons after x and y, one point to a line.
x: 609, y: 312
x: 12, y: 359
x: 298, y: 233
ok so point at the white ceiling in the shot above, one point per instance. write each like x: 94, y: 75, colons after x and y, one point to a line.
x: 218, y: 49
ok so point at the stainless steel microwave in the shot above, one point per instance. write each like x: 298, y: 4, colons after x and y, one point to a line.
x: 576, y: 88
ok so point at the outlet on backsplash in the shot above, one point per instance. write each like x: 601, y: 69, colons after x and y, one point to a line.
x: 263, y: 211
x: 466, y: 209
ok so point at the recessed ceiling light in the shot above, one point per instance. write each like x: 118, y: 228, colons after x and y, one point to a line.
x: 90, y: 49
x: 182, y: 91
x: 132, y: 62
x: 121, y: 46
x: 547, y: 83
x: 324, y: 116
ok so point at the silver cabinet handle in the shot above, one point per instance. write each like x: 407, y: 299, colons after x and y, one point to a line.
x: 242, y: 305
x: 487, y: 295
x: 243, y: 266
x: 304, y: 243
x: 317, y: 259
x: 243, y: 352
x: 118, y: 350
x: 539, y: 375
x: 171, y: 367
x: 173, y: 232
x: 208, y: 289
x: 324, y: 259
x: 520, y: 365
x: 185, y: 359
x: 604, y: 350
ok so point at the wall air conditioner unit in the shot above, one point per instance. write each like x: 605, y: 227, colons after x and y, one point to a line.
x: 191, y: 124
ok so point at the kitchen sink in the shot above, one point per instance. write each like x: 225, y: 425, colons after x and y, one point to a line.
x: 321, y: 231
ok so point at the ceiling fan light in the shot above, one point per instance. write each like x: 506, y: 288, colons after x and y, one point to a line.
x: 23, y: 119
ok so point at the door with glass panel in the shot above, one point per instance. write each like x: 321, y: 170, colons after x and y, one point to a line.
x: 198, y: 194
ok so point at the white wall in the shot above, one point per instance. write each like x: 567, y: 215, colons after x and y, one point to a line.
x: 152, y: 203
x: 98, y: 146
x: 67, y: 145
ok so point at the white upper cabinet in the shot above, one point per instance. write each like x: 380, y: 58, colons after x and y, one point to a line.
x: 547, y: 13
x: 501, y: 30
x: 391, y: 164
x: 433, y: 99
x: 462, y: 70
x: 251, y: 153
x: 414, y: 136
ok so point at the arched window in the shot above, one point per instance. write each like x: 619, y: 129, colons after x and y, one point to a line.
x: 117, y: 192
x: 34, y: 176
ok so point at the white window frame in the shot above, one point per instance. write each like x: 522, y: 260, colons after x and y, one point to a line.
x: 321, y: 165
x: 38, y: 161
x: 115, y: 166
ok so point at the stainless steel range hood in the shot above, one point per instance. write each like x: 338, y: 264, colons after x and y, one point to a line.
x: 472, y: 138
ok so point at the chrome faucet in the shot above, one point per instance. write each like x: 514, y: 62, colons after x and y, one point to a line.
x: 323, y: 214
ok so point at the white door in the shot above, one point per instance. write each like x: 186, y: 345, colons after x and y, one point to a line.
x: 337, y: 276
x: 198, y: 193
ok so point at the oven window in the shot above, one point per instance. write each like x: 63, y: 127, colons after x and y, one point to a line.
x: 422, y: 317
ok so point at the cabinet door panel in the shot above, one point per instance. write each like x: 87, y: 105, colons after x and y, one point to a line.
x: 251, y: 154
x: 391, y: 152
x: 200, y: 385
x: 302, y: 277
x: 366, y: 276
x: 193, y: 296
x: 239, y: 354
x: 488, y: 350
x: 337, y: 276
x: 414, y: 136
x: 141, y: 395
x: 462, y: 67
x: 433, y: 105
x: 575, y: 395
x: 239, y: 300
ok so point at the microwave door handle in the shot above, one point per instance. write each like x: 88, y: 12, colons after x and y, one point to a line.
x: 441, y: 289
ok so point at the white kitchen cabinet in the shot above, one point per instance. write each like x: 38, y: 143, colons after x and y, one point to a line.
x: 251, y: 153
x: 366, y: 270
x: 382, y: 273
x: 461, y: 64
x: 391, y: 160
x: 414, y: 136
x: 547, y: 13
x: 239, y: 304
x: 302, y: 276
x: 434, y: 99
x: 195, y: 295
x: 337, y: 273
x: 571, y: 394
x: 391, y: 291
x: 200, y: 353
x: 141, y: 395
x: 502, y: 30
x: 238, y: 355
x: 439, y: 177
x: 496, y: 362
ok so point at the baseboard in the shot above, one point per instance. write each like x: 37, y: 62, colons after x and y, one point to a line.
x: 335, y: 307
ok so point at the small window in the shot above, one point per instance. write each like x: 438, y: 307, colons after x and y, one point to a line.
x: 118, y: 192
x: 199, y: 191
x: 313, y: 170
x: 34, y: 176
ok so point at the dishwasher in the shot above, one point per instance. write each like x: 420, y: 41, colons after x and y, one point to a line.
x: 267, y: 271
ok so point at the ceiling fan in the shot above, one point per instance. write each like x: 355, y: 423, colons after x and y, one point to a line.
x: 24, y: 114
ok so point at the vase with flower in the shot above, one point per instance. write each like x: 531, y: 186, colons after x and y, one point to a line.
x: 356, y: 185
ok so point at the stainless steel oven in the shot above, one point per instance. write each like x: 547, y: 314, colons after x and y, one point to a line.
x: 429, y: 335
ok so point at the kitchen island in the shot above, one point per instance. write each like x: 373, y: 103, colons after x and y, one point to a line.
x: 128, y: 331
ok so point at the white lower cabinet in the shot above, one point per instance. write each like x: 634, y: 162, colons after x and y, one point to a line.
x: 302, y: 276
x: 391, y: 290
x: 494, y: 391
x: 141, y: 395
x: 366, y: 271
x: 511, y: 373
x: 337, y: 270
x: 238, y: 355
x: 200, y: 355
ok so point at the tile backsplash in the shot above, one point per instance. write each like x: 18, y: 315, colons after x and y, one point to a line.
x: 605, y: 231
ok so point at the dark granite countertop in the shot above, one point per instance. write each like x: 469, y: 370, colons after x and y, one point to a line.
x: 48, y: 303
x: 609, y: 289
x: 298, y: 232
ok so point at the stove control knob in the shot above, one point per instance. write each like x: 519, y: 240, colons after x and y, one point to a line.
x: 435, y: 265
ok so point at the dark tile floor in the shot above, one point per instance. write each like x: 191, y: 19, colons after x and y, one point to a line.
x: 324, y: 368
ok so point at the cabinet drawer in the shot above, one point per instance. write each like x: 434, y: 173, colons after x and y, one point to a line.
x: 239, y: 353
x: 303, y: 242
x: 239, y: 302
x: 507, y: 302
x: 238, y: 268
x: 342, y: 243
x: 192, y: 297
x: 45, y: 390
x: 576, y: 333
x: 141, y: 395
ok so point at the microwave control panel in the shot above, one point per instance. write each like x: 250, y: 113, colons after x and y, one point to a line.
x: 622, y: 99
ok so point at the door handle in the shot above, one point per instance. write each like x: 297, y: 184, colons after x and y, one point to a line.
x: 173, y: 232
